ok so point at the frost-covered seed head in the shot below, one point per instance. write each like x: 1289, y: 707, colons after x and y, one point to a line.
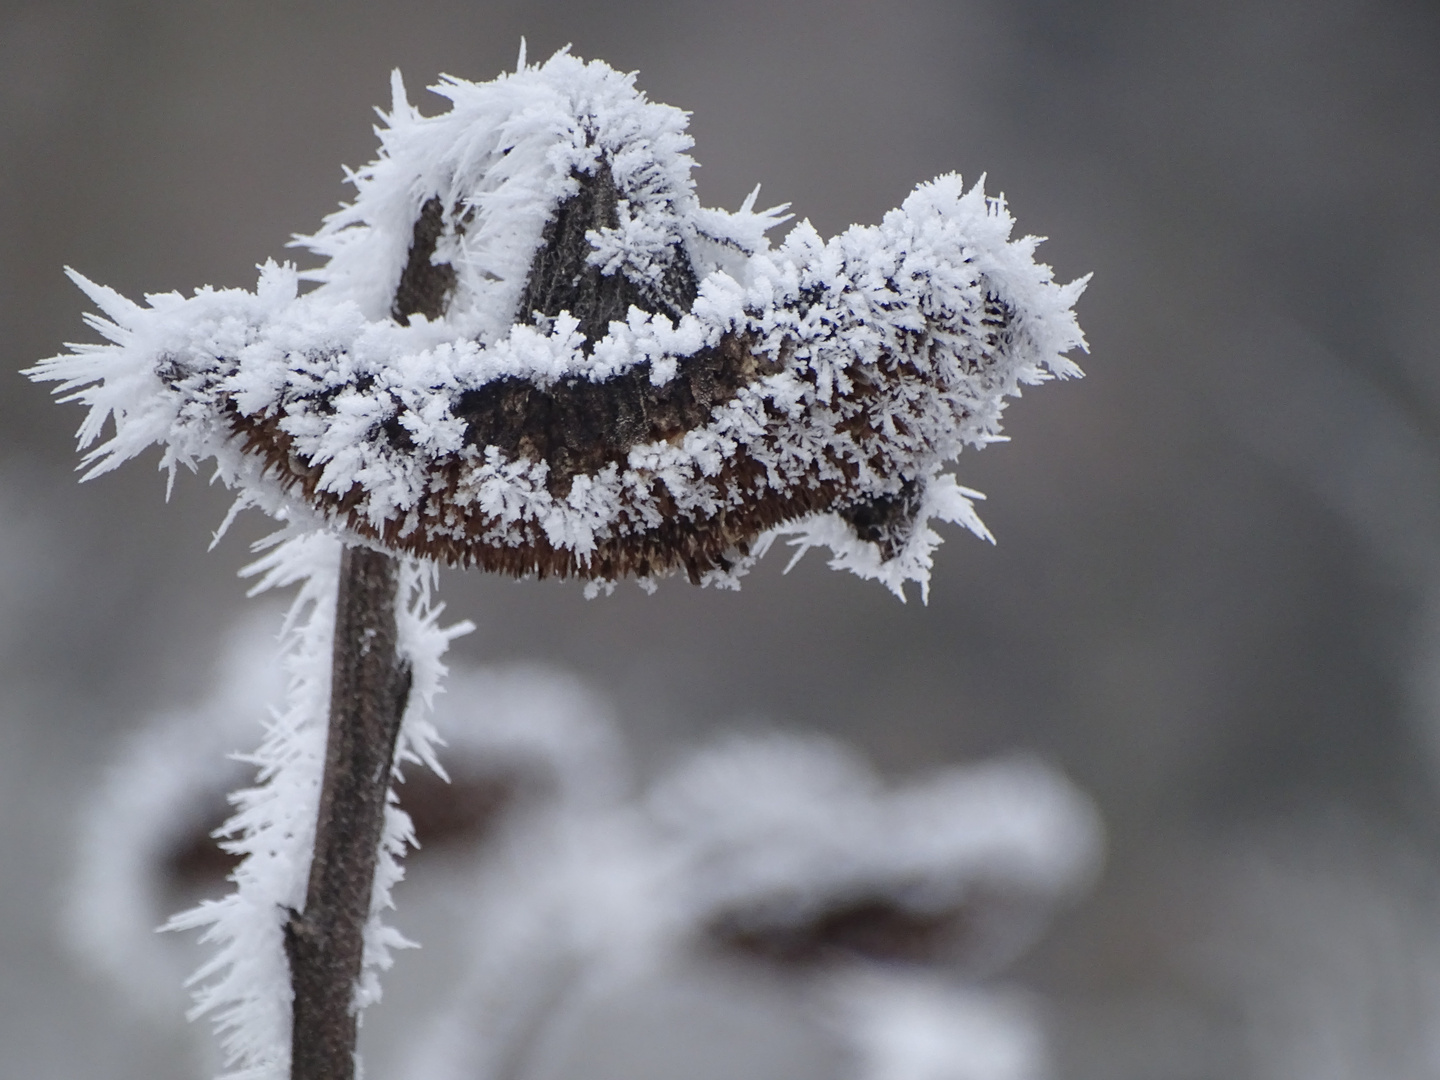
x: 797, y: 853
x: 532, y: 350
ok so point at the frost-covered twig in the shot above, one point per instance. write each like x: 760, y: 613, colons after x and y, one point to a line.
x: 325, y: 940
x: 246, y: 985
x: 532, y: 350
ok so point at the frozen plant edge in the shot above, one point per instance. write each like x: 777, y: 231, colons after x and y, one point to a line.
x: 818, y: 389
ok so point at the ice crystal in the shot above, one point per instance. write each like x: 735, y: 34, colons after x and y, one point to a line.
x: 532, y: 350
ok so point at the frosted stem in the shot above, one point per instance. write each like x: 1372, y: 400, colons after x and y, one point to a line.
x: 370, y: 685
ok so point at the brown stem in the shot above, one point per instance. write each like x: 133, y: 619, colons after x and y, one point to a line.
x: 369, y: 687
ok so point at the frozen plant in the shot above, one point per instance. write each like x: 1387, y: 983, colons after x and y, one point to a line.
x: 904, y: 1027
x: 137, y: 829
x: 784, y: 858
x: 523, y: 743
x: 796, y: 852
x: 531, y: 350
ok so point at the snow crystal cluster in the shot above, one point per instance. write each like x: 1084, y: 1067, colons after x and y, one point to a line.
x: 532, y: 350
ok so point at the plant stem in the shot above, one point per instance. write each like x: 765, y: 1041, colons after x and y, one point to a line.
x: 370, y: 685
x: 369, y: 688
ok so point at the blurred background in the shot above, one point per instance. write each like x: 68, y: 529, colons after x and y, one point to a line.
x: 1214, y: 603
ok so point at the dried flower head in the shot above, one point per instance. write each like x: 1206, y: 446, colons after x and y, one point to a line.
x: 532, y: 350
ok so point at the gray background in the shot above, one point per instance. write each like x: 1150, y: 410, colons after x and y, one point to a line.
x: 1215, y: 600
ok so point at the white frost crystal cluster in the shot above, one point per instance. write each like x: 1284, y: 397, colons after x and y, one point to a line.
x: 531, y: 349
x: 245, y: 985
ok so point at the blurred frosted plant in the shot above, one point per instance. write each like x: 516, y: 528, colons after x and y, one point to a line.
x: 798, y: 853
x: 790, y: 852
x: 571, y: 903
x: 539, y: 731
x: 907, y: 1027
x: 784, y: 852
x: 523, y: 742
x: 138, y: 827
x: 532, y: 350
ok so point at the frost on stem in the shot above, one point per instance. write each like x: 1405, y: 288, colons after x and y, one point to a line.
x: 245, y: 986
x: 533, y: 351
x: 520, y: 741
